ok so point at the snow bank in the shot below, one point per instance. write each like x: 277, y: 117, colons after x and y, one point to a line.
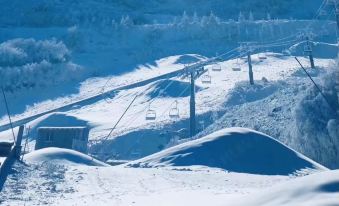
x: 234, y: 149
x: 28, y: 63
x: 63, y: 156
x: 313, y: 190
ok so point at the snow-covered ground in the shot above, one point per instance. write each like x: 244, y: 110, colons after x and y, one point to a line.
x: 53, y: 176
x: 227, y: 92
x: 83, y: 63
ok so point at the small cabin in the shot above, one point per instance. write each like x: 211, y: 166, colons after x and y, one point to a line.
x: 75, y: 138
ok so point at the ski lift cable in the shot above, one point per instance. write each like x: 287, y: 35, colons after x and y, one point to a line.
x: 307, y: 27
x: 316, y: 15
x: 169, y: 84
x: 116, y: 124
x: 224, y: 54
x: 150, y: 102
x: 318, y: 88
x: 8, y: 113
x: 132, y: 119
x: 281, y: 39
x: 277, y: 45
x: 182, y: 92
x: 168, y: 108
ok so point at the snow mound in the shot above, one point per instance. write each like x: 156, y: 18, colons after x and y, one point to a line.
x: 61, y: 155
x: 233, y: 149
x: 316, y: 189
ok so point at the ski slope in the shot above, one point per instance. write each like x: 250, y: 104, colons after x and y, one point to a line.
x: 144, y: 137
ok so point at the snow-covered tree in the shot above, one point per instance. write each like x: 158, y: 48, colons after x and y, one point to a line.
x: 268, y: 17
x: 213, y: 19
x: 241, y: 17
x: 195, y: 18
x: 126, y: 21
x: 185, y: 20
x: 27, y: 63
x: 251, y: 17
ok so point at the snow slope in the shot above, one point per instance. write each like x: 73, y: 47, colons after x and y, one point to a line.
x: 233, y: 149
x: 44, y: 182
x: 267, y: 107
x: 61, y: 156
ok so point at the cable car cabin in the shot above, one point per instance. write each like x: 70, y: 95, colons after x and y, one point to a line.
x: 5, y: 148
x: 75, y: 138
x: 151, y: 115
x: 174, y: 111
x: 216, y: 68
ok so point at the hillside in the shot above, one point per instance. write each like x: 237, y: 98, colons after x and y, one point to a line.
x: 185, y: 102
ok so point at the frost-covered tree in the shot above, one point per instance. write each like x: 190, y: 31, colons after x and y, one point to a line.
x: 317, y: 125
x: 268, y: 17
x: 185, y: 20
x: 27, y: 63
x: 195, y: 18
x: 241, y: 17
x: 213, y: 19
x: 251, y: 17
x: 126, y: 21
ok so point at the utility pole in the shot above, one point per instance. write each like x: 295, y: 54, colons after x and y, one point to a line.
x: 309, y: 51
x: 192, y: 106
x: 250, y: 71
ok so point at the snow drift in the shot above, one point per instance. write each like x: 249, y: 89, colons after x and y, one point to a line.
x: 63, y: 156
x: 234, y: 149
x: 316, y: 189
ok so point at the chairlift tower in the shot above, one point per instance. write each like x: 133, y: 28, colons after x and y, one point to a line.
x: 247, y: 47
x: 192, y: 106
x: 250, y: 69
x: 308, y: 50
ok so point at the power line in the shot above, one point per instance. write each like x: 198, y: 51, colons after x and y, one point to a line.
x: 8, y: 113
x: 116, y: 124
x: 315, y: 84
